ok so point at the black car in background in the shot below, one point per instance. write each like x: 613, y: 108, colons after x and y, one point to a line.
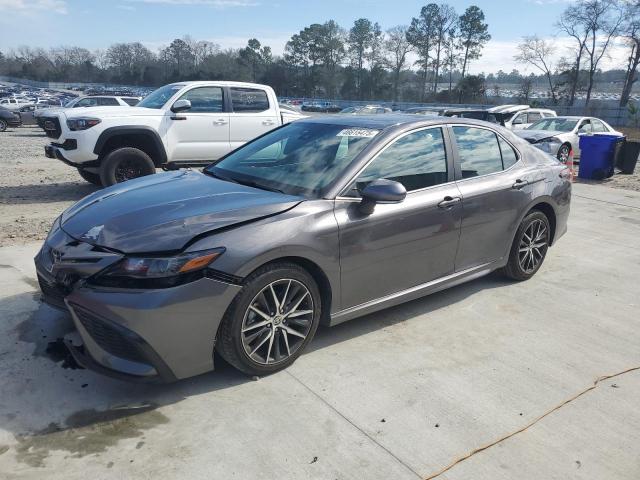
x: 8, y: 119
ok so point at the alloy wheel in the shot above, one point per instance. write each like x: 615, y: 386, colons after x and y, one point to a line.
x: 127, y: 170
x: 277, y: 321
x: 563, y: 153
x: 3, y: 125
x: 533, y: 246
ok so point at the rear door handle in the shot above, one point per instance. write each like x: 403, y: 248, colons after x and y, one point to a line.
x: 449, y: 202
x: 220, y: 121
x: 519, y: 184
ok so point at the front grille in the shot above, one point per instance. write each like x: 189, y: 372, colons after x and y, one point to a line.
x: 52, y: 293
x: 51, y: 126
x: 109, y: 338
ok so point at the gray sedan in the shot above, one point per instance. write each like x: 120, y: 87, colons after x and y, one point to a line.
x: 560, y: 136
x: 317, y: 222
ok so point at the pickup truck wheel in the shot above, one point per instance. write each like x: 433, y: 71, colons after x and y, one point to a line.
x: 125, y: 164
x: 90, y: 177
x: 3, y: 125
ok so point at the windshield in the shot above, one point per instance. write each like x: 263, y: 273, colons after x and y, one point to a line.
x: 297, y: 159
x: 71, y: 103
x: 554, y: 124
x: 159, y: 97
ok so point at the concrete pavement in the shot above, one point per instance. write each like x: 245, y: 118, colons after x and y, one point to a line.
x: 395, y: 395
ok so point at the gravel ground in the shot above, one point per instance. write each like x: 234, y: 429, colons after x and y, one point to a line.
x: 34, y: 189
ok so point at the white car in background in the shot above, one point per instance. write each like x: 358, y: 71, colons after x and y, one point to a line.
x: 88, y: 101
x: 516, y: 117
x: 559, y: 136
x: 14, y: 103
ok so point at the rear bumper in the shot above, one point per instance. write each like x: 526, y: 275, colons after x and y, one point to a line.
x: 143, y: 335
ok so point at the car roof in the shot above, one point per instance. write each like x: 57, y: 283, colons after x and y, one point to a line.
x: 389, y: 120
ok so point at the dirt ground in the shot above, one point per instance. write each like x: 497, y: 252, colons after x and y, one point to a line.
x: 34, y: 189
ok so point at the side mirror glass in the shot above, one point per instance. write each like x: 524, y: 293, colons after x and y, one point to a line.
x: 381, y: 191
x: 181, y: 106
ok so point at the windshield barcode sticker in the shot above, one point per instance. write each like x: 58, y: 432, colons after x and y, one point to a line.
x: 357, y: 132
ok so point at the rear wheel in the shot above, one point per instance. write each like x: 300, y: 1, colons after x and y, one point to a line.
x: 271, y: 320
x: 125, y: 164
x: 90, y: 177
x: 529, y: 247
x: 3, y: 125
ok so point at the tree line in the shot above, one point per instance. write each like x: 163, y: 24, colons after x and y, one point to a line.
x: 428, y: 59
x: 322, y: 60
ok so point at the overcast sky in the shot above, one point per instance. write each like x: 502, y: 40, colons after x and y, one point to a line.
x: 230, y: 23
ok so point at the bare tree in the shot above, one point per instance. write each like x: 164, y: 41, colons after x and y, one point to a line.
x: 538, y: 52
x: 579, y: 32
x: 630, y: 32
x: 602, y: 19
x: 397, y: 47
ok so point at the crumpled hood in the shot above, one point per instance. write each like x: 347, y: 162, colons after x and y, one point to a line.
x: 163, y: 212
x: 536, y: 135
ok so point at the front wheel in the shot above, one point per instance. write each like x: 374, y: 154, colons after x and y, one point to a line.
x: 564, y: 152
x: 3, y: 125
x: 529, y: 247
x: 125, y: 164
x: 271, y: 320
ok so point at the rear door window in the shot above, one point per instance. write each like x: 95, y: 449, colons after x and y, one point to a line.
x: 478, y: 150
x: 107, y: 102
x: 534, y: 117
x: 249, y: 100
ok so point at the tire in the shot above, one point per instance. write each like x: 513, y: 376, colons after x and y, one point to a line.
x: 563, y: 152
x: 90, y: 177
x: 3, y: 125
x: 524, y: 265
x: 238, y: 336
x: 125, y: 164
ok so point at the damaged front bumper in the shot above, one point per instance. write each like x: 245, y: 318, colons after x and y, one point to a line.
x: 158, y: 335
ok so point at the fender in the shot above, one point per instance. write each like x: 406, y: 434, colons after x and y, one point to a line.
x: 541, y: 199
x: 148, y: 132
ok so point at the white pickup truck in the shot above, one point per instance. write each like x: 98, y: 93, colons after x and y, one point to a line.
x: 178, y: 125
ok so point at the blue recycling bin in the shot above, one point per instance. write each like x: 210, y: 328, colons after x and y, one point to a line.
x: 597, y: 155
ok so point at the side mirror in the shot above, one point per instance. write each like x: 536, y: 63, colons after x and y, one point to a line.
x: 381, y: 191
x: 181, y: 106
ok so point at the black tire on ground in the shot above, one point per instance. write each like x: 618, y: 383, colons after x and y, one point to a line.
x: 563, y: 152
x: 229, y: 339
x: 3, y: 125
x: 90, y: 177
x: 124, y: 164
x: 524, y: 261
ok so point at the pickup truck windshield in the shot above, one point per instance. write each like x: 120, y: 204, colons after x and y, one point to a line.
x: 159, y: 97
x: 297, y: 159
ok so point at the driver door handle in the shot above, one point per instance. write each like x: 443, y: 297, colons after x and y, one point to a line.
x: 519, y: 184
x: 220, y: 121
x: 269, y: 122
x: 448, y: 202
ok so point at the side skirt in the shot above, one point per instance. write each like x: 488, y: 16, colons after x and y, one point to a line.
x: 413, y: 292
